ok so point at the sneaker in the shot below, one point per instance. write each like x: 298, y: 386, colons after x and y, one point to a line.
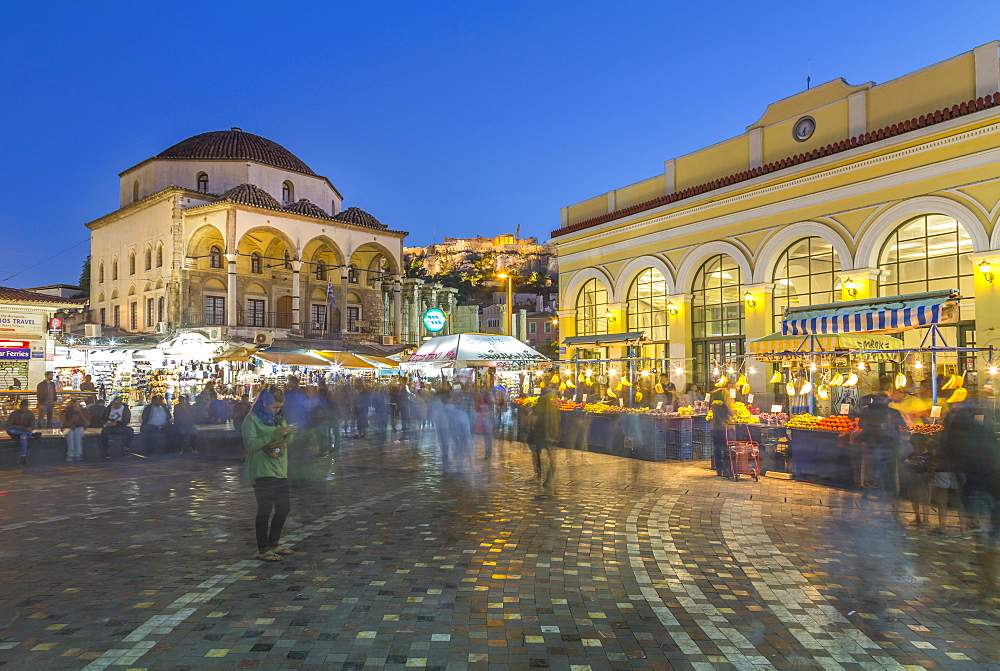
x: 127, y: 453
x: 107, y: 455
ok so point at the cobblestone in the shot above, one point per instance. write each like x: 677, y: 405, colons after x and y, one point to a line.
x: 148, y: 564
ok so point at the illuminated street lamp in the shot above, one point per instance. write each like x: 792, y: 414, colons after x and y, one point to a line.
x: 510, y: 303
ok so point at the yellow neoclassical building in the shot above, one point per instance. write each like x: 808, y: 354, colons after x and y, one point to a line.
x: 839, y: 192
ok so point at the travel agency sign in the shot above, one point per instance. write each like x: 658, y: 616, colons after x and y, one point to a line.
x: 17, y: 322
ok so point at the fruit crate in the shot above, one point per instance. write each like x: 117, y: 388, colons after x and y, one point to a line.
x: 680, y: 423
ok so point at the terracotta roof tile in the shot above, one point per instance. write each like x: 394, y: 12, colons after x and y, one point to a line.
x: 307, y: 208
x: 922, y: 121
x: 12, y: 295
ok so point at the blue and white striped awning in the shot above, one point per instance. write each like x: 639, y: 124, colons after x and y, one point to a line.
x: 892, y: 313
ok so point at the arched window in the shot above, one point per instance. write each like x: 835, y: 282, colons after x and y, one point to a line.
x: 149, y: 258
x: 114, y: 269
x: 135, y: 191
x: 287, y: 193
x: 926, y: 254
x: 131, y: 263
x: 100, y: 274
x: 159, y: 257
x: 352, y: 275
x: 320, y: 271
x: 203, y: 182
x: 804, y: 275
x: 592, y: 308
x: 717, y: 314
x: 255, y: 264
x: 288, y: 260
x: 647, y: 310
x: 215, y: 257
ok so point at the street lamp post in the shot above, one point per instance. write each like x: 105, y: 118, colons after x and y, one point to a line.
x: 509, y: 308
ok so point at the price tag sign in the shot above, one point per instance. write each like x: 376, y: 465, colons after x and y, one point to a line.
x: 584, y: 398
x: 845, y: 408
x: 732, y: 393
x: 708, y: 397
x: 621, y: 401
x: 750, y: 399
x: 775, y: 408
x: 936, y: 412
x: 537, y: 390
x: 659, y: 404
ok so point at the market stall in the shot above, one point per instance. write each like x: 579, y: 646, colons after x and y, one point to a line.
x: 829, y: 357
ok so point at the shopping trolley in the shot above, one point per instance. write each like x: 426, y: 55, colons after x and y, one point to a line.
x: 744, y: 455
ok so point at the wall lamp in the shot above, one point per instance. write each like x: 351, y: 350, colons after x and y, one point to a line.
x: 748, y: 298
x: 671, y: 309
x: 609, y: 316
x: 849, y: 287
x: 986, y: 270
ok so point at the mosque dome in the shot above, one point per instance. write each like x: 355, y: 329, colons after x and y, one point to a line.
x: 304, y: 206
x: 235, y: 144
x: 249, y: 194
x: 358, y: 217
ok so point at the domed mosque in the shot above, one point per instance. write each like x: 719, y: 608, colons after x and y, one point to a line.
x: 233, y: 234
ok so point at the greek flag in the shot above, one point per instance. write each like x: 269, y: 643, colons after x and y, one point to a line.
x: 330, y: 296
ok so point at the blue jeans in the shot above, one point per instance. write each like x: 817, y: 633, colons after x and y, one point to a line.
x: 24, y: 435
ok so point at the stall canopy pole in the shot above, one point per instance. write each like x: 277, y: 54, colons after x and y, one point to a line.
x: 934, y: 385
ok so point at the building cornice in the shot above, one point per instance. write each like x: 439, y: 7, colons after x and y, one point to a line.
x: 907, y: 131
x: 143, y: 203
x: 287, y: 214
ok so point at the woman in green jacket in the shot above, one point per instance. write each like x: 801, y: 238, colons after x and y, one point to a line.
x: 266, y: 436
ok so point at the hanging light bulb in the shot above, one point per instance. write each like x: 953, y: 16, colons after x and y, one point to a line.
x: 645, y: 373
x: 992, y: 370
x: 918, y: 364
x: 751, y: 370
x: 812, y: 366
x: 730, y: 370
x: 861, y: 365
x: 715, y: 371
x: 589, y: 372
x: 679, y: 370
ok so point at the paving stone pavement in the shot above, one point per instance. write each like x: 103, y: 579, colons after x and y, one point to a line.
x: 148, y: 564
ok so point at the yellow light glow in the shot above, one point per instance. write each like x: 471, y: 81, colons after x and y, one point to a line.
x: 918, y: 364
x: 992, y: 370
x: 751, y: 370
x: 645, y: 373
x: 679, y: 370
x: 861, y: 365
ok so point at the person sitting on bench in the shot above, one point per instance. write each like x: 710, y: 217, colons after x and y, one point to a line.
x: 156, y: 419
x: 115, y: 421
x: 20, y: 425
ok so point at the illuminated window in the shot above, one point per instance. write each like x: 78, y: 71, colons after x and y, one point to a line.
x: 203, y: 182
x: 591, y: 309
x: 804, y: 275
x: 926, y: 254
x: 647, y: 310
x: 717, y: 314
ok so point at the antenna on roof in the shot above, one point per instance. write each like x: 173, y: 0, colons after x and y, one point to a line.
x: 808, y: 73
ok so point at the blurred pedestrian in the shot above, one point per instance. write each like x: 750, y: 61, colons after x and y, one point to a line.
x: 157, y: 420
x: 240, y: 410
x: 721, y: 409
x: 265, y: 437
x: 949, y: 476
x: 184, y: 424
x: 880, y: 428
x: 543, y: 437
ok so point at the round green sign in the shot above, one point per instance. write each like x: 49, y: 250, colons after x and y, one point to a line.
x: 435, y: 320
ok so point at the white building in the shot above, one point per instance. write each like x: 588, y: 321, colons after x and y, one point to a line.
x: 228, y: 229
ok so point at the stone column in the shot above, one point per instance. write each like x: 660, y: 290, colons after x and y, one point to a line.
x: 343, y: 301
x: 522, y: 325
x: 296, y: 298
x: 397, y: 314
x: 231, y: 290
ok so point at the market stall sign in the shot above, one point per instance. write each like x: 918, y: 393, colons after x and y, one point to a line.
x: 15, y: 354
x: 13, y: 343
x: 872, y: 347
x: 14, y: 322
x: 435, y: 320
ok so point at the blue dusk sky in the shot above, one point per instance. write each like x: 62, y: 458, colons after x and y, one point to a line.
x: 440, y: 118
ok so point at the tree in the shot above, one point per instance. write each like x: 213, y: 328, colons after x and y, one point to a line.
x: 85, y: 277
